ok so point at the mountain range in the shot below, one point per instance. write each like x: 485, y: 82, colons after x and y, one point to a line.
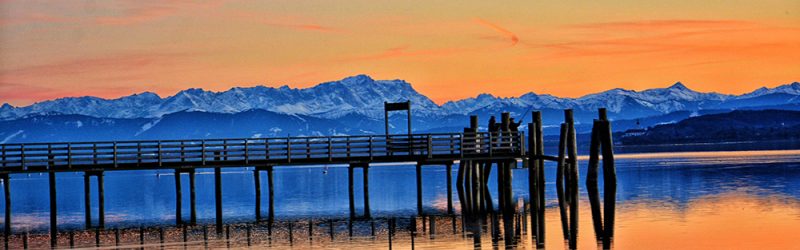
x: 354, y: 105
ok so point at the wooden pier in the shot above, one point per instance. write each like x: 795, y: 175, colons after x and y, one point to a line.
x: 476, y: 152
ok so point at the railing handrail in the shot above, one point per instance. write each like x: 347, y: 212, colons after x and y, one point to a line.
x: 317, y: 148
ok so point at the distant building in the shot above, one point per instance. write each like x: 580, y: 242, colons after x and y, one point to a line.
x: 634, y: 132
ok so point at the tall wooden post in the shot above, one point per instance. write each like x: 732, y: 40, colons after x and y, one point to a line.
x: 572, y: 150
x: 101, y: 206
x: 419, y: 188
x: 365, y: 171
x: 178, y: 197
x: 533, y: 168
x: 271, y: 194
x: 609, y: 180
x: 257, y: 180
x: 53, y: 210
x: 591, y: 181
x: 87, y: 199
x: 192, y: 198
x: 351, y: 191
x: 461, y: 189
x: 218, y: 198
x: 449, y: 168
x: 540, y: 236
x: 562, y: 143
x: 487, y: 196
x: 7, y: 196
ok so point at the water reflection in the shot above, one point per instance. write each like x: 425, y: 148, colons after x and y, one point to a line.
x: 709, y: 200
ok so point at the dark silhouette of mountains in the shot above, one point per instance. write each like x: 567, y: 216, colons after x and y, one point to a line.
x: 740, y: 125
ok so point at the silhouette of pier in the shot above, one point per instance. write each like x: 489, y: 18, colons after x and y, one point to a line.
x: 474, y: 150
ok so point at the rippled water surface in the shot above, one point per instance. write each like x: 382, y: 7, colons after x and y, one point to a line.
x: 737, y: 199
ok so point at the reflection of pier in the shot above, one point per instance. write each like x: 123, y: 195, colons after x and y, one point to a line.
x: 476, y: 151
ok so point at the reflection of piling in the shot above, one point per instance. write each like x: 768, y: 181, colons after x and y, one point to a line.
x: 601, y: 143
x: 609, y: 180
x: 560, y: 180
x: 572, y: 151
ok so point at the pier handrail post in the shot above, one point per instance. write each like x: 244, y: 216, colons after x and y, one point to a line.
x: 330, y: 149
x: 138, y: 154
x: 183, y: 152
x: 69, y: 155
x: 159, y: 152
x: 203, y: 151
x: 22, y: 155
x: 115, y: 154
x: 288, y: 149
x: 94, y: 153
x: 461, y: 144
x: 491, y: 145
x: 520, y: 138
x: 246, y: 153
x: 430, y: 146
x: 370, y: 146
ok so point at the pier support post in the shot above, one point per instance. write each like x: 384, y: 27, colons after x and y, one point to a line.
x: 449, y: 168
x: 365, y: 171
x: 218, y: 198
x: 257, y: 180
x: 537, y: 119
x: 101, y: 210
x: 178, y: 198
x: 419, y: 188
x: 7, y: 197
x: 351, y: 191
x: 572, y: 151
x: 192, y: 198
x: 271, y: 194
x: 53, y: 210
x: 87, y: 196
x: 87, y: 199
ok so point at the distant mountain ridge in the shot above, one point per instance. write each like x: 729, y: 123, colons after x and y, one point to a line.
x: 363, y: 95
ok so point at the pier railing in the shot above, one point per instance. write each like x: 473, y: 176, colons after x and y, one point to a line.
x: 63, y: 156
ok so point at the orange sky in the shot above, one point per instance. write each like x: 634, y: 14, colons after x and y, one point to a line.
x: 446, y: 49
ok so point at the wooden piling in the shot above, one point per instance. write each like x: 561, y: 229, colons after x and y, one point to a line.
x: 271, y: 194
x: 449, y: 168
x: 476, y: 187
x: 7, y: 196
x: 562, y: 143
x: 178, y: 198
x: 533, y: 193
x: 419, y: 188
x: 257, y: 180
x: 218, y: 198
x: 87, y: 199
x: 461, y: 189
x: 591, y: 181
x: 572, y: 151
x: 365, y: 171
x: 487, y: 196
x: 101, y: 206
x: 540, y: 232
x: 192, y: 198
x: 609, y: 183
x: 351, y: 191
x: 469, y: 202
x: 53, y: 210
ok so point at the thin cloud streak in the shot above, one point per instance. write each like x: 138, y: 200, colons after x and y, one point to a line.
x: 510, y: 35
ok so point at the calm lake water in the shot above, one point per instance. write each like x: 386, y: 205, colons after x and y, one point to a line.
x: 693, y: 200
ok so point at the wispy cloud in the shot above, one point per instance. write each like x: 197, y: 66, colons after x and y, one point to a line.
x: 505, y: 32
